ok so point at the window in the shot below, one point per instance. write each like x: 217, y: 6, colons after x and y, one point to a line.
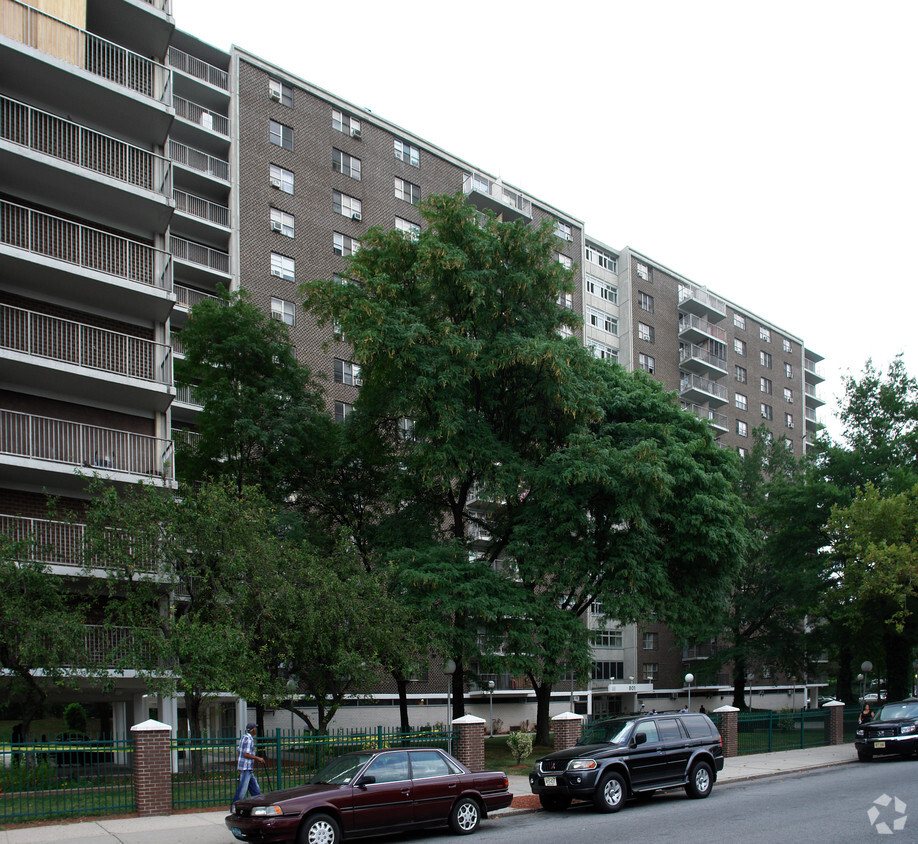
x: 347, y: 206
x: 788, y: 369
x: 281, y: 179
x: 563, y: 230
x: 765, y: 385
x: 602, y: 321
x: 602, y: 259
x: 645, y: 332
x: 608, y: 670
x: 651, y: 641
x: 740, y: 401
x: 764, y: 334
x: 788, y: 395
x: 739, y: 373
x: 407, y: 153
x: 347, y: 372
x: 739, y: 346
x: 739, y: 321
x: 407, y: 191
x: 411, y: 229
x: 642, y: 271
x: 343, y: 410
x: 390, y: 767
x: 282, y: 222
x: 650, y: 671
x: 565, y: 261
x: 788, y: 420
x: 786, y: 345
x: 767, y: 412
x: 765, y: 359
x: 280, y: 135
x: 343, y: 122
x: 645, y: 302
x: 742, y: 429
x: 603, y: 352
x: 789, y: 445
x: 347, y: 164
x: 283, y: 310
x: 566, y: 300
x: 596, y: 608
x: 647, y: 363
x: 344, y: 245
x: 283, y: 267
x: 280, y: 92
x: 607, y: 638
x: 601, y: 288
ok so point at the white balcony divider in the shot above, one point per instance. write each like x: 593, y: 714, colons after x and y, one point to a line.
x: 98, y: 349
x: 92, y: 249
x: 199, y: 69
x: 194, y: 159
x: 86, y: 51
x: 90, y: 446
x: 68, y: 141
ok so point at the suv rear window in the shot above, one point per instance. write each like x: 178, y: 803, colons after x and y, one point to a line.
x: 697, y: 726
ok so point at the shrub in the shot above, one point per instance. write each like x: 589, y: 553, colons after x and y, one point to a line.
x: 520, y: 745
x: 75, y: 718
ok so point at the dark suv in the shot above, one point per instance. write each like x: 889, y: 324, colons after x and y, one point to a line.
x: 894, y: 731
x: 631, y: 756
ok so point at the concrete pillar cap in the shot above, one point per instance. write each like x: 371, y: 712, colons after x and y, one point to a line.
x: 150, y: 726
x: 567, y: 716
x: 469, y: 719
x: 727, y: 708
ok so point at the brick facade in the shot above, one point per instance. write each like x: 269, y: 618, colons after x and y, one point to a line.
x: 152, y: 768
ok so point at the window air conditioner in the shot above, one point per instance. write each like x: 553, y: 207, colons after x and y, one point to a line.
x: 275, y: 183
x: 356, y: 216
x: 790, y: 424
x: 276, y: 315
x: 275, y: 95
x: 276, y: 226
x: 277, y: 272
x: 355, y: 133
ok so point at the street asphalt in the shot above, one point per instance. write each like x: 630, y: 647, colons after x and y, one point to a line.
x: 206, y: 827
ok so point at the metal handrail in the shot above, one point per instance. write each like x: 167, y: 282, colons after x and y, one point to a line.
x: 202, y: 116
x: 197, y: 206
x: 197, y: 253
x: 199, y: 69
x: 195, y: 159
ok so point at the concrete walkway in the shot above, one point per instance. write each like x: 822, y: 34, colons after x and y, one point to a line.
x: 208, y: 828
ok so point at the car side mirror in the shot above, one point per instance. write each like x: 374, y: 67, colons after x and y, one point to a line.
x: 640, y: 738
x: 369, y: 779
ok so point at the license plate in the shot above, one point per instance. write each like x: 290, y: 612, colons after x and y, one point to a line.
x: 551, y: 781
x: 879, y: 744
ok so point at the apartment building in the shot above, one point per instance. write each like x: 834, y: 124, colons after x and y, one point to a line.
x: 143, y: 168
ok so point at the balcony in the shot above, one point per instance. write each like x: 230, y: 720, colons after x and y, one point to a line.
x: 40, y: 253
x: 812, y: 370
x: 78, y: 170
x: 199, y: 162
x: 492, y: 195
x: 201, y: 215
x: 696, y: 300
x: 56, y: 454
x: 701, y: 650
x: 198, y: 69
x: 695, y: 389
x: 718, y: 420
x: 200, y: 263
x: 58, y: 356
x: 146, y: 26
x: 211, y: 121
x: 696, y: 330
x: 812, y: 424
x: 56, y: 62
x: 187, y: 298
x: 811, y: 397
x: 696, y: 359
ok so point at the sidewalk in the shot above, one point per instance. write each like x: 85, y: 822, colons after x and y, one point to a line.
x: 208, y: 828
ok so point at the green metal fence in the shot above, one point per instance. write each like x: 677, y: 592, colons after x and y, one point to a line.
x: 764, y: 731
x: 66, y: 776
x: 207, y: 773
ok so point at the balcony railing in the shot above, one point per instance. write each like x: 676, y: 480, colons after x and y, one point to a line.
x: 690, y: 293
x: 197, y: 253
x: 188, y: 297
x: 67, y: 141
x: 689, y: 322
x: 184, y: 394
x: 197, y: 68
x: 111, y: 647
x: 89, y: 446
x: 691, y: 352
x: 86, y: 51
x: 186, y: 437
x: 92, y: 249
x: 704, y: 385
x: 702, y: 650
x: 717, y: 420
x: 84, y: 346
x: 194, y: 159
x: 201, y: 116
x: 204, y: 209
x: 496, y: 190
x: 814, y: 367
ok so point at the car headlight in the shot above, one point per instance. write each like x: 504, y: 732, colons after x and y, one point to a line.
x: 860, y: 734
x: 261, y: 811
x: 582, y: 765
x: 909, y: 728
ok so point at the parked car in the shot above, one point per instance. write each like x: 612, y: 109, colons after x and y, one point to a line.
x: 893, y: 731
x: 373, y: 792
x: 636, y: 756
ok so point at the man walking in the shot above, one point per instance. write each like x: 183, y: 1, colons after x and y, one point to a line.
x: 246, y: 764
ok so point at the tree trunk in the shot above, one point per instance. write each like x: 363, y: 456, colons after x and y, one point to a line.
x: 739, y: 685
x: 402, y: 685
x: 458, y: 690
x: 543, y: 716
x: 845, y: 677
x: 898, y: 664
x: 259, y: 718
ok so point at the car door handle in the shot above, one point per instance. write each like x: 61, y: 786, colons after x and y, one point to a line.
x: 406, y: 791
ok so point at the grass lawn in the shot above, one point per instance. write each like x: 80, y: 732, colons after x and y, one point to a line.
x: 499, y: 758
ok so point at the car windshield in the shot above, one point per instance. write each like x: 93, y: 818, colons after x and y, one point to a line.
x: 896, y: 711
x: 342, y: 770
x: 613, y: 732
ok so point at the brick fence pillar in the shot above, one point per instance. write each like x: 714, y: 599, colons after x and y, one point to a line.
x: 470, y: 747
x: 152, y: 768
x: 835, y: 722
x: 729, y: 727
x: 568, y: 727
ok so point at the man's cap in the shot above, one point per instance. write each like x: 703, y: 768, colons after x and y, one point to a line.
x: 250, y: 726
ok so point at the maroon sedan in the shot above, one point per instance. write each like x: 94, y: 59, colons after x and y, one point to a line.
x: 373, y: 792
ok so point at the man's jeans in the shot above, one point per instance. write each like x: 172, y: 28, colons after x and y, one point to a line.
x: 247, y: 784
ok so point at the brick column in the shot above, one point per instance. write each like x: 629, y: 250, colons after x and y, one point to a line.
x: 835, y: 724
x: 728, y: 729
x: 470, y: 747
x: 152, y: 768
x: 568, y: 727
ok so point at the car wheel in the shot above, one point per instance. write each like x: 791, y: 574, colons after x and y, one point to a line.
x: 465, y: 817
x: 554, y: 802
x: 610, y: 795
x: 320, y: 829
x: 700, y: 782
x: 864, y: 755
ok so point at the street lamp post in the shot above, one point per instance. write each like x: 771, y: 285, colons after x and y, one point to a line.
x: 867, y: 667
x: 491, y: 696
x: 689, y: 679
x: 449, y: 668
